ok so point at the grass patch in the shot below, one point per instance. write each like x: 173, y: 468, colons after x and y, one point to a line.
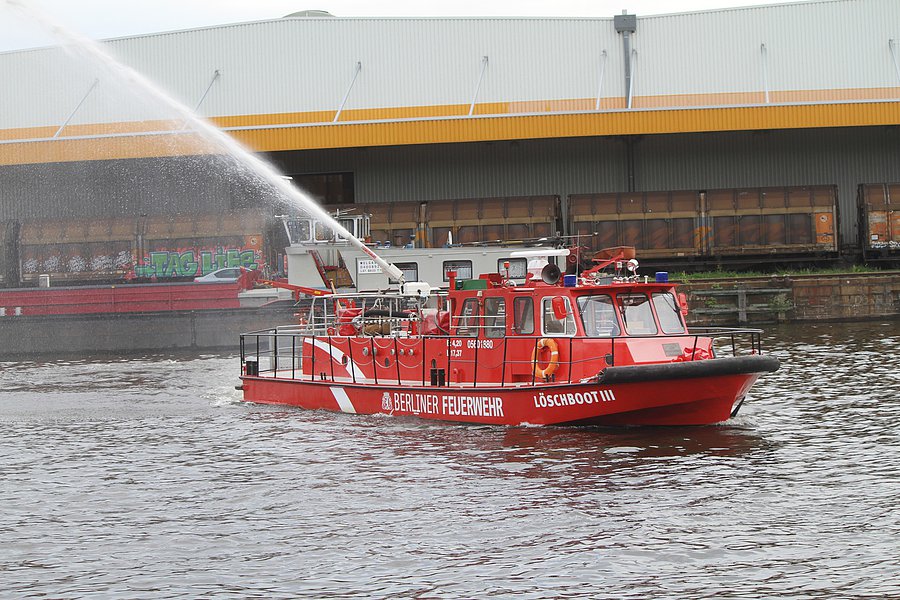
x: 723, y: 274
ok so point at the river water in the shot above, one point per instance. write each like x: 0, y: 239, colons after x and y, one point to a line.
x: 145, y: 477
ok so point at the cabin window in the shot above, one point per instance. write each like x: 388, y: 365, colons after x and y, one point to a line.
x: 554, y: 326
x: 523, y: 312
x: 298, y: 230
x: 598, y: 316
x: 323, y: 233
x: 518, y: 267
x: 410, y: 272
x: 494, y: 317
x: 637, y: 314
x: 351, y: 226
x: 668, y: 312
x: 463, y: 269
x: 468, y: 319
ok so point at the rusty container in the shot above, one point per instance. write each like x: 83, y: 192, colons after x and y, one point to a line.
x: 185, y: 246
x: 491, y: 220
x: 879, y: 218
x: 660, y: 224
x: 776, y: 221
x: 70, y: 250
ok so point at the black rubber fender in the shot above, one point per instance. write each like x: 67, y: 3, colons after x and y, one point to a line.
x: 713, y: 367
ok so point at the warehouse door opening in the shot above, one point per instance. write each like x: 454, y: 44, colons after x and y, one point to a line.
x: 327, y: 189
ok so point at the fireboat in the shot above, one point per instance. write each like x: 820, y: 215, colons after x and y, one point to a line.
x: 603, y: 347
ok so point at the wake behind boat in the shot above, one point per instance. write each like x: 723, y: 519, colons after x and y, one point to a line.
x: 597, y: 348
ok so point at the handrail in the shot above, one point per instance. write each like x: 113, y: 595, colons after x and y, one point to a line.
x: 273, y: 350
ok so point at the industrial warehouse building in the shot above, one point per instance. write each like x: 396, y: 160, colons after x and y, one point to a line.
x: 482, y: 128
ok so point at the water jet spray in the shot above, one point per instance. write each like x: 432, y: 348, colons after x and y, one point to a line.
x: 91, y: 50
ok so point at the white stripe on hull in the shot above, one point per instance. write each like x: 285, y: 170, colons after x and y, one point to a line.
x: 338, y: 356
x: 343, y: 400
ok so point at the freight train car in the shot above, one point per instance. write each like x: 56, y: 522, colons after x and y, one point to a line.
x: 170, y: 248
x: 464, y: 221
x: 682, y: 229
x: 77, y: 250
x: 730, y: 225
x: 474, y: 220
x: 783, y: 221
x: 394, y: 223
x: 879, y: 221
x: 660, y: 224
x: 185, y: 246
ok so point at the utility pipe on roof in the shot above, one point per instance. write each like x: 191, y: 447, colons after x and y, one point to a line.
x: 894, y: 56
x: 215, y: 76
x: 764, y: 59
x: 631, y: 77
x: 337, y: 115
x: 603, y: 57
x: 72, y: 114
x: 626, y: 25
x: 484, y: 63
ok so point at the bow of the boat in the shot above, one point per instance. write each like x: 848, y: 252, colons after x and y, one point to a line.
x: 700, y: 392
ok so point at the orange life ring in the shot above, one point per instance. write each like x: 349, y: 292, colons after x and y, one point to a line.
x: 550, y: 369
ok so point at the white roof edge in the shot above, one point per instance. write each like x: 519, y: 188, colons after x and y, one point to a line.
x: 743, y: 8
x: 335, y: 18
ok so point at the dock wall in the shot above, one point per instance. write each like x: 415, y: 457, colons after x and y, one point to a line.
x: 22, y: 335
x: 840, y: 297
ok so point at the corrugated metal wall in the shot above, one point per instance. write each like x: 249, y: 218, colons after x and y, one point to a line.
x: 306, y: 65
x: 845, y: 157
x: 475, y: 170
x: 809, y: 46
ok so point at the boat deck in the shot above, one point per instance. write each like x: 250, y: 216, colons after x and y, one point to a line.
x: 296, y: 376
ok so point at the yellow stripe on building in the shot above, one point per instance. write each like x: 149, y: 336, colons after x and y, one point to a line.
x: 432, y: 125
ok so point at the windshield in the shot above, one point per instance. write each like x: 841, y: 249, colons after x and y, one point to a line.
x: 637, y: 314
x: 598, y: 316
x: 668, y: 313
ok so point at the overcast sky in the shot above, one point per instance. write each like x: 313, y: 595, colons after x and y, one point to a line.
x: 100, y: 19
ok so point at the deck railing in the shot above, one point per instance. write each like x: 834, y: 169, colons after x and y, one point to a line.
x: 281, y: 352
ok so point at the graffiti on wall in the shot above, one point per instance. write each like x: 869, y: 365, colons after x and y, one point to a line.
x: 165, y: 259
x: 192, y: 262
x: 88, y: 259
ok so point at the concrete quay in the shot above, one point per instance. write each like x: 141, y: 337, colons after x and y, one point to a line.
x: 794, y: 298
x: 22, y: 336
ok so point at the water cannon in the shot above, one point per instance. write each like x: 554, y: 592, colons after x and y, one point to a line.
x: 415, y: 289
x: 392, y: 270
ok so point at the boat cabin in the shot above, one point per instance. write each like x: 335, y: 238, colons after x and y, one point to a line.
x: 622, y: 309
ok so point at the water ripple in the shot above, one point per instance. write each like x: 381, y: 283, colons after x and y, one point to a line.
x: 146, y: 477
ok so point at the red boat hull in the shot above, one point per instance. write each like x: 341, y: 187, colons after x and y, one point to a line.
x: 689, y: 401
